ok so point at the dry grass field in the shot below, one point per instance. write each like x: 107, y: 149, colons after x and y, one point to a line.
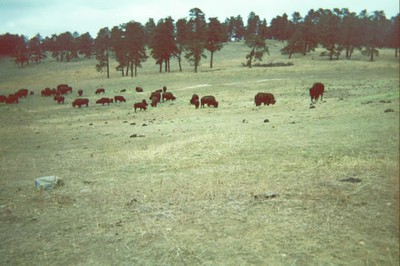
x: 175, y: 185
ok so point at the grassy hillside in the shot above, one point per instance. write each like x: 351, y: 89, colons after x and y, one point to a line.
x: 184, y: 186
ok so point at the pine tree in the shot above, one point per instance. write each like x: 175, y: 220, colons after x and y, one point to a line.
x: 102, y: 47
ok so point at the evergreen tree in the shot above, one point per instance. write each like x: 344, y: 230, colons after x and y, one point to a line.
x: 36, y: 52
x: 183, y: 33
x: 163, y: 43
x: 196, y: 41
x: 215, y: 37
x: 136, y: 45
x: 102, y: 47
x: 85, y: 45
x: 254, y: 40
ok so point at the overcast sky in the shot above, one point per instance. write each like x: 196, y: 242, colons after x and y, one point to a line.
x: 47, y: 17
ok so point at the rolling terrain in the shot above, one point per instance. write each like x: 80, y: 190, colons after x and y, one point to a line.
x: 283, y: 184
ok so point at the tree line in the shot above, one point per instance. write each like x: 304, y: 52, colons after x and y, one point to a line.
x: 339, y: 31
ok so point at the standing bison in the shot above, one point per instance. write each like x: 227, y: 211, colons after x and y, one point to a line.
x: 168, y: 96
x: 209, y: 100
x: 59, y: 99
x: 316, y: 90
x: 119, y: 98
x: 100, y: 90
x: 265, y: 98
x: 80, y: 101
x: 141, y: 105
x: 104, y: 100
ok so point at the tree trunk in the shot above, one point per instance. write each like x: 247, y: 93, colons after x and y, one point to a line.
x: 180, y: 64
x: 372, y: 54
x: 108, y: 64
x: 211, y: 59
x: 127, y: 70
x: 396, y: 52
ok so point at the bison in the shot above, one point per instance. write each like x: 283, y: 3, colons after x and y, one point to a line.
x: 156, y: 94
x: 22, y: 93
x: 317, y: 90
x: 100, y: 90
x: 265, y: 98
x: 12, y: 98
x: 168, y: 96
x: 154, y: 101
x: 209, y: 100
x: 164, y: 89
x: 142, y: 105
x: 80, y: 101
x: 194, y: 98
x: 64, y: 89
x: 196, y: 103
x: 102, y: 101
x: 119, y: 98
x: 48, y: 92
x: 139, y: 89
x: 59, y: 99
x: 80, y: 92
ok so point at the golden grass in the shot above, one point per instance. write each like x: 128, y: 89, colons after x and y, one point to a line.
x: 182, y: 191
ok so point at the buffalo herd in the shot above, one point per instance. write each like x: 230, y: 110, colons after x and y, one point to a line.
x: 316, y: 92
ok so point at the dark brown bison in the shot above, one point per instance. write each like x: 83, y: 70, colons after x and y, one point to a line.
x: 103, y: 101
x: 209, y: 100
x: 194, y: 98
x: 3, y: 98
x: 12, y: 98
x: 154, y: 101
x: 142, y: 105
x: 317, y: 90
x: 119, y: 99
x: 80, y: 92
x: 64, y: 89
x: 196, y: 103
x: 164, y: 89
x: 156, y: 94
x: 100, y: 90
x: 48, y: 92
x: 59, y: 99
x: 265, y: 98
x: 168, y: 96
x: 22, y: 93
x: 80, y: 101
x: 139, y: 89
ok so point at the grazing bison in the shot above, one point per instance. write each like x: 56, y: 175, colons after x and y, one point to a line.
x: 48, y: 92
x: 317, y: 90
x: 164, y: 89
x: 139, y: 89
x: 102, y: 101
x: 100, y: 90
x: 22, y: 93
x: 168, y: 96
x: 142, y: 105
x: 12, y: 99
x: 59, y: 99
x: 194, y: 98
x: 119, y: 99
x: 64, y: 89
x: 80, y: 92
x: 265, y: 98
x: 80, y: 101
x: 209, y: 100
